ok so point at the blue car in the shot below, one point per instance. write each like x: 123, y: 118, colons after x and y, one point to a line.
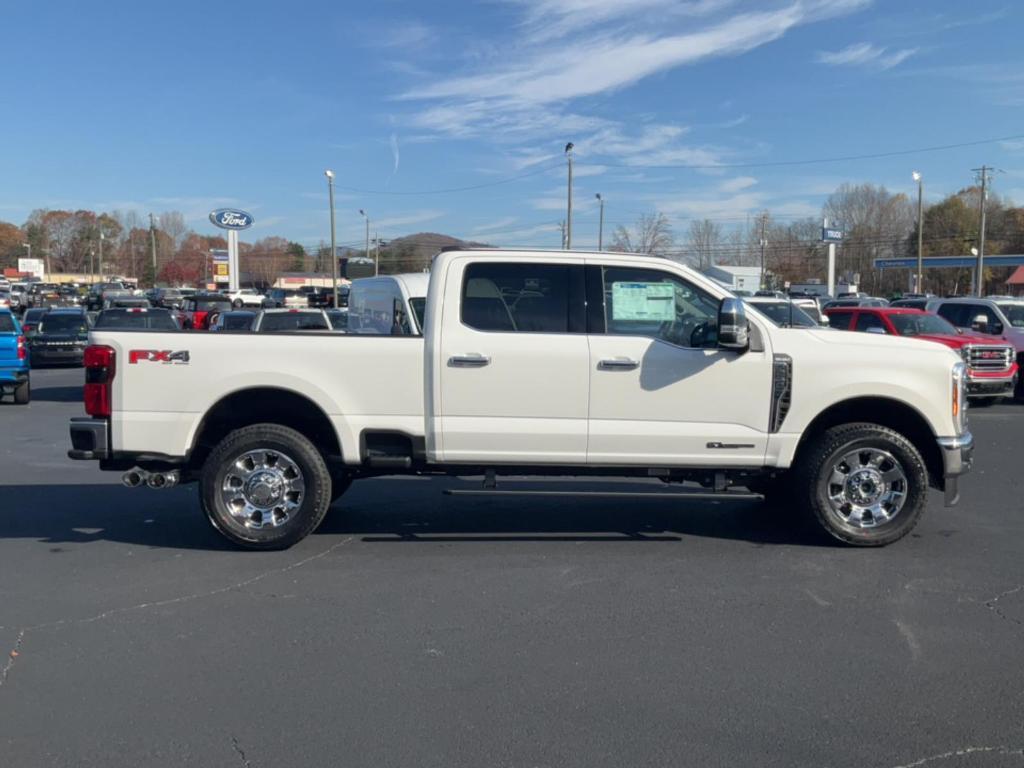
x: 14, y: 359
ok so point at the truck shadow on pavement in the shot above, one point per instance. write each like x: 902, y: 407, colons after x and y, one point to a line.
x: 57, y: 394
x: 383, y: 511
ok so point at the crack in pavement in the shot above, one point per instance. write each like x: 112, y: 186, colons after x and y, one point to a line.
x: 11, y: 657
x: 991, y: 604
x: 240, y: 752
x: 1008, y: 751
x: 159, y: 603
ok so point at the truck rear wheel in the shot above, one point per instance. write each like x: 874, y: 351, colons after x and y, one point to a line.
x: 864, y: 484
x: 265, y: 487
x: 23, y: 393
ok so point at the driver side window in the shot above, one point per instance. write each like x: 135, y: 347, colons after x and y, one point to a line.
x: 649, y: 302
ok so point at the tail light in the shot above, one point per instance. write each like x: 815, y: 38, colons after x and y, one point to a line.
x: 21, y: 347
x: 100, y: 366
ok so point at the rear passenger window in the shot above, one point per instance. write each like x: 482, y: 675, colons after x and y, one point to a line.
x: 957, y: 314
x: 840, y: 320
x: 519, y: 298
x: 867, y: 321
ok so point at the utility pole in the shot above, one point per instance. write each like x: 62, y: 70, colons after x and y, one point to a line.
x: 561, y: 226
x: 979, y: 281
x: 367, y: 251
x: 152, y: 243
x: 600, y: 226
x: 92, y: 274
x: 334, y: 249
x: 919, y: 287
x: 764, y: 242
x: 376, y: 253
x: 568, y: 219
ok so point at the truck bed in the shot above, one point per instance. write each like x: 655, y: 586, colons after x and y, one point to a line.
x: 373, y: 381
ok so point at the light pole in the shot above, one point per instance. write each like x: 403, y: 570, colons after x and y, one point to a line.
x: 920, y: 231
x: 334, y: 249
x: 568, y: 218
x: 600, y: 225
x: 764, y: 242
x: 367, y: 217
x: 29, y: 246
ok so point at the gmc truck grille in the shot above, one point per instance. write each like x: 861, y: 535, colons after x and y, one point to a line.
x: 988, y: 359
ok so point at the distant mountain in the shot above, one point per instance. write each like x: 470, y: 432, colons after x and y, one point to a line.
x: 413, y: 253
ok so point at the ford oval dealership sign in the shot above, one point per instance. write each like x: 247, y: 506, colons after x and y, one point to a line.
x: 231, y: 218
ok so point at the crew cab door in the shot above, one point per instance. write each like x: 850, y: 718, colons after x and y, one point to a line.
x: 510, y: 368
x: 661, y: 392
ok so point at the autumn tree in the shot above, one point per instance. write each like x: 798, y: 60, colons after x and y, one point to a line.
x: 11, y: 239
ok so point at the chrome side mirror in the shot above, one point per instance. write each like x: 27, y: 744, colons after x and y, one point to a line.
x: 733, y: 328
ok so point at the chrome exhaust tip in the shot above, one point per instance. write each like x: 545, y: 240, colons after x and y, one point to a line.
x: 133, y: 478
x: 156, y: 480
x: 172, y: 478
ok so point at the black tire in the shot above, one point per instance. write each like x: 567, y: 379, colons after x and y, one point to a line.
x: 237, y: 303
x: 276, y: 439
x: 814, y: 470
x: 23, y: 393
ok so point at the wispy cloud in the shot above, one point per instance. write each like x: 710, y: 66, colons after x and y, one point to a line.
x: 866, y: 55
x: 409, y: 34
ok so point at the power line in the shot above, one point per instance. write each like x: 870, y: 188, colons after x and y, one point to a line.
x: 819, y: 160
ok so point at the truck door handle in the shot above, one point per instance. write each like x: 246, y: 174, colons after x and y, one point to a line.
x: 469, y: 361
x: 618, y: 364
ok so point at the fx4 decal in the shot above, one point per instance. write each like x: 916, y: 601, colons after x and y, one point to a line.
x: 180, y: 357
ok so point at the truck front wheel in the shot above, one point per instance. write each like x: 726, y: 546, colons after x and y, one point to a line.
x: 265, y: 487
x: 864, y: 484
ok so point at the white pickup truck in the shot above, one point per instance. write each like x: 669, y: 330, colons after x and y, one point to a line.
x: 534, y: 362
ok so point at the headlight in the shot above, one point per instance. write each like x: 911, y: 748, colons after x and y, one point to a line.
x: 958, y: 397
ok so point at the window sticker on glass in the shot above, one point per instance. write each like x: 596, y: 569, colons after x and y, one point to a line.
x: 643, y: 301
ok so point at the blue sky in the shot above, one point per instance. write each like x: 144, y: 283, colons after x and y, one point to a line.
x: 190, y: 106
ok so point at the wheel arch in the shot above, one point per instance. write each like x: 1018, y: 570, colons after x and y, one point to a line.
x: 887, y: 412
x: 270, y: 405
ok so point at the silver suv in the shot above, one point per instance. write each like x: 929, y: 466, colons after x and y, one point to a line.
x: 998, y: 316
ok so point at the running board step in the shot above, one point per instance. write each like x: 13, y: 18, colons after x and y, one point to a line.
x: 609, y: 494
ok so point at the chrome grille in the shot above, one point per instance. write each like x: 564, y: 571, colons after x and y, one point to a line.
x: 988, y: 358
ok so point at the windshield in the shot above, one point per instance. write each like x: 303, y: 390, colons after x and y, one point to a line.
x: 779, y: 313
x: 419, y: 308
x: 293, y: 321
x: 33, y: 315
x: 205, y: 305
x: 52, y: 323
x: 153, y: 320
x: 237, y: 322
x: 1014, y: 313
x: 917, y: 325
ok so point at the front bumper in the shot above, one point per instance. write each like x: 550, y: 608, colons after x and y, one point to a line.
x: 42, y: 355
x: 957, y: 458
x: 90, y: 438
x: 991, y: 386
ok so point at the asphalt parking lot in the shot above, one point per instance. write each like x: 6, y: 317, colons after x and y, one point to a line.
x: 415, y: 629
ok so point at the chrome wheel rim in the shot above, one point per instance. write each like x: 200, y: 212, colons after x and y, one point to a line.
x: 866, y: 488
x: 263, y: 489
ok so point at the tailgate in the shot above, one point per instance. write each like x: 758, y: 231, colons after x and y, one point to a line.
x: 8, y: 349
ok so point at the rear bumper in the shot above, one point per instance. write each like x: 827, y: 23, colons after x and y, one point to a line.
x: 63, y: 357
x: 957, y: 459
x: 90, y: 439
x: 12, y: 376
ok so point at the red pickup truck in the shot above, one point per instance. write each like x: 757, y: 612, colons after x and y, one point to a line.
x: 991, y: 367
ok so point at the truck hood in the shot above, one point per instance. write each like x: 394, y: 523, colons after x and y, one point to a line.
x: 870, y: 343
